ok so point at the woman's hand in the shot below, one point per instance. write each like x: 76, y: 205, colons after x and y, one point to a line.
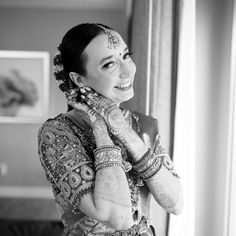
x: 114, y: 119
x: 92, y: 117
x: 85, y: 111
x: 106, y: 108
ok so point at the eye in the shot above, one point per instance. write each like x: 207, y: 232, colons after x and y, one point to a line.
x: 127, y: 55
x: 108, y: 65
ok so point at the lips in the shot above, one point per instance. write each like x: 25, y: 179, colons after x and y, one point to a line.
x: 124, y: 86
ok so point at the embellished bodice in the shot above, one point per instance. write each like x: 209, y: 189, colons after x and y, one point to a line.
x: 66, y: 154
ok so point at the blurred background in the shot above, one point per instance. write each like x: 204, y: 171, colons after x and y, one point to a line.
x: 183, y: 51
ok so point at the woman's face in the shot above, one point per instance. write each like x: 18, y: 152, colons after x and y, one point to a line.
x: 109, y: 71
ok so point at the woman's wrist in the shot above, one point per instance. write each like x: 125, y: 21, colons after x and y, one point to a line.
x: 134, y: 143
x: 101, y: 135
x: 108, y: 156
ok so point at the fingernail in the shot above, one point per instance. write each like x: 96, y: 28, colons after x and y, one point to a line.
x: 82, y: 90
x: 90, y: 96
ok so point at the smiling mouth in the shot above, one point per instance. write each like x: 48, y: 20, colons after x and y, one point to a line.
x: 124, y: 86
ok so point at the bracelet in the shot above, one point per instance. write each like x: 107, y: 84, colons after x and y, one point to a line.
x: 153, y: 170
x: 153, y: 175
x: 109, y: 155
x: 162, y: 160
x: 147, y: 165
x: 143, y: 160
x: 109, y: 164
x: 106, y: 147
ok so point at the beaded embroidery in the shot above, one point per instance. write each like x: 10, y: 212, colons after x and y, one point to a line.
x: 66, y: 154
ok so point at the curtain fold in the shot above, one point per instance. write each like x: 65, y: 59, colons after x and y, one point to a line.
x: 153, y: 40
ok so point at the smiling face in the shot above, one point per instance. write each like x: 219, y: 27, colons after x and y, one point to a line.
x: 109, y: 71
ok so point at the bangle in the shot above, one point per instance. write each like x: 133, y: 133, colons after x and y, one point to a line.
x: 143, y: 160
x: 107, y: 155
x: 147, y: 165
x: 109, y: 164
x: 153, y: 170
x: 106, y: 147
x: 161, y: 160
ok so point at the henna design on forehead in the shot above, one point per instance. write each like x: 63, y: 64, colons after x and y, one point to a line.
x: 113, y: 38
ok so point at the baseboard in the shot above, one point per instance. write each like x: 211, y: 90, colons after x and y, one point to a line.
x: 26, y: 192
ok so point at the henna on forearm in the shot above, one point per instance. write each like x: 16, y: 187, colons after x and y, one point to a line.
x: 167, y: 190
x: 100, y: 133
x: 133, y: 143
x: 112, y: 192
x: 111, y: 185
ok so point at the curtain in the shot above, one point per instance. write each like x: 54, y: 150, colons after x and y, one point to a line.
x: 153, y: 40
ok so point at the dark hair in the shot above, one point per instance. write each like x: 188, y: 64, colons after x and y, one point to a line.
x: 74, y: 43
x: 71, y: 55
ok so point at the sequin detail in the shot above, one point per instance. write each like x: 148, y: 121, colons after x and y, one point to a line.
x: 66, y: 154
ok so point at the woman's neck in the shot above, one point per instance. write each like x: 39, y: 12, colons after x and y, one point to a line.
x: 80, y: 118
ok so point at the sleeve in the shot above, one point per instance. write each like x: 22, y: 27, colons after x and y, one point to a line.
x: 68, y: 168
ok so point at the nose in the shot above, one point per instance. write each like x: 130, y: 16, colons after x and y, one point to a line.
x: 125, y: 71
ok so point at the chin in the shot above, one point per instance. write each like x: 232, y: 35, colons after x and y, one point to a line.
x: 126, y: 98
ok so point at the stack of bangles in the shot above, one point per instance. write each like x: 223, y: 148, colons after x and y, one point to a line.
x: 107, y: 156
x: 149, y: 165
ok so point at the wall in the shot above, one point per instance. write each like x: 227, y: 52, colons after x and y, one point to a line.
x: 39, y: 30
x: 213, y: 39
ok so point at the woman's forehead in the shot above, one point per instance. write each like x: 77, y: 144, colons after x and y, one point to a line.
x: 99, y: 47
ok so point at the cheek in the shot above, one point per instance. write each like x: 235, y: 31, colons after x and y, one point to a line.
x: 101, y: 84
x: 133, y: 66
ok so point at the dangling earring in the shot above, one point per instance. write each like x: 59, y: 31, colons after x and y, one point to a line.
x: 71, y: 86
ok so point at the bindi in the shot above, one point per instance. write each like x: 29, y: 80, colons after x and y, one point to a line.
x: 113, y: 38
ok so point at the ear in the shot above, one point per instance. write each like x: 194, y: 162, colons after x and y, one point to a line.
x: 76, y: 78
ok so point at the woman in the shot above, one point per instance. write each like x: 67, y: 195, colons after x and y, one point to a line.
x: 101, y: 170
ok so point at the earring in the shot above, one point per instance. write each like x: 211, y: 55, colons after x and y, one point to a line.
x: 71, y: 86
x: 80, y: 85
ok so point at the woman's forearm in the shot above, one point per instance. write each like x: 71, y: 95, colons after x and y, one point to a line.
x: 167, y: 190
x: 164, y: 186
x: 111, y: 194
x: 133, y: 143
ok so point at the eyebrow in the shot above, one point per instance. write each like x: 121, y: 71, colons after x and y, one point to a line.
x: 109, y: 57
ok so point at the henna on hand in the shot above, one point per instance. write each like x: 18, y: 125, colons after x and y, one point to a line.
x: 89, y: 115
x: 106, y: 108
x: 92, y: 117
x: 100, y: 106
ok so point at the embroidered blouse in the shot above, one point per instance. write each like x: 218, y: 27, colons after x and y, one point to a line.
x: 66, y: 154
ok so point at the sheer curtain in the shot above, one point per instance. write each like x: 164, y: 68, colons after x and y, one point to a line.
x: 153, y: 41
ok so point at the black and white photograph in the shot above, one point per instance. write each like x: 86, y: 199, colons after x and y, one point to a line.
x: 117, y: 117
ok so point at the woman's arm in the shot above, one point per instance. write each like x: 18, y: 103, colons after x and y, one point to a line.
x: 111, y: 202
x: 164, y: 185
x: 102, y: 194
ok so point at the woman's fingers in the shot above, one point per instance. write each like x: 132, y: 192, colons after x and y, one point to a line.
x: 88, y: 96
x: 82, y: 105
x: 96, y: 105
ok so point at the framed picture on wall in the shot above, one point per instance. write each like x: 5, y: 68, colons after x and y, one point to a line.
x: 24, y: 86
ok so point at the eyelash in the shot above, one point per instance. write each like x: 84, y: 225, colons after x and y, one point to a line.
x: 126, y: 54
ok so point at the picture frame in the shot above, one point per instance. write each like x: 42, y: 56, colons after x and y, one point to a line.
x: 24, y: 86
